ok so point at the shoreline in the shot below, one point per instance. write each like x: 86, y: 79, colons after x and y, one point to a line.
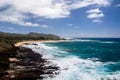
x: 27, y: 64
x: 19, y: 44
x: 13, y: 65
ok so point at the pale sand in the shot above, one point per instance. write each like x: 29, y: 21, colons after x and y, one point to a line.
x: 13, y: 59
x: 32, y: 41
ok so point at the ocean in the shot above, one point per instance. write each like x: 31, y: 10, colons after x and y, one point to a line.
x: 83, y: 58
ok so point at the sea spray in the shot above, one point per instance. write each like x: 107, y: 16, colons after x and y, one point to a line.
x: 79, y: 60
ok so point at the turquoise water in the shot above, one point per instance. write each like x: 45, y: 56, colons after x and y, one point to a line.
x: 83, y: 59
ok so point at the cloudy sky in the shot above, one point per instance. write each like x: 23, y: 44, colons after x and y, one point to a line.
x: 67, y: 18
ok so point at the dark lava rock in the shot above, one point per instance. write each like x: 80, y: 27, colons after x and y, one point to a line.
x: 30, y: 66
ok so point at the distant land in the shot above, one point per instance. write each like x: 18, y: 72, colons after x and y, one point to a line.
x: 7, y: 40
x: 31, y: 35
x: 9, y: 52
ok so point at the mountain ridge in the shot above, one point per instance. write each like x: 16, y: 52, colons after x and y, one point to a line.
x: 30, y: 34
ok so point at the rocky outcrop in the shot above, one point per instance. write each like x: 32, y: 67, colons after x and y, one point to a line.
x: 29, y: 65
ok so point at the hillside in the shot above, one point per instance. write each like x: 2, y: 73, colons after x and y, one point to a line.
x: 7, y: 40
x: 31, y: 34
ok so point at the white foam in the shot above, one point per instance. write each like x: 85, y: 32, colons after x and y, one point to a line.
x: 38, y: 46
x: 106, y: 42
x: 98, y: 41
x: 73, y: 67
x: 84, y: 40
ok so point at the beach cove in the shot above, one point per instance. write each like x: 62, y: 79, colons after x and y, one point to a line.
x: 27, y: 64
x: 19, y: 44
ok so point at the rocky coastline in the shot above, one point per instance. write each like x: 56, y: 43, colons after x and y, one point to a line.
x: 21, y: 63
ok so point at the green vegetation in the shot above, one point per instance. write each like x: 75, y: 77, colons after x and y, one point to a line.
x: 7, y: 40
x: 7, y: 49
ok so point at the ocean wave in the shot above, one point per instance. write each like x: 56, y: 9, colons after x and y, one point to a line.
x: 98, y: 41
x: 38, y: 45
x: 106, y: 42
x: 82, y: 40
x: 73, y: 67
x: 46, y: 51
x: 106, y: 63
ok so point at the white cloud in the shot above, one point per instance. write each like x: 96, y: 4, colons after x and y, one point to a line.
x: 97, y: 10
x: 15, y: 17
x: 95, y: 14
x: 29, y: 24
x: 75, y: 4
x: 118, y: 5
x: 18, y: 10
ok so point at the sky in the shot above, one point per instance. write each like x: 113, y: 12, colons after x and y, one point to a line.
x: 66, y: 18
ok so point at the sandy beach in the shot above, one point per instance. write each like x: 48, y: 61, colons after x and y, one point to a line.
x: 32, y: 41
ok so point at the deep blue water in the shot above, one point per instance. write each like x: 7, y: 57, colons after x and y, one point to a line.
x: 86, y: 58
x: 106, y: 50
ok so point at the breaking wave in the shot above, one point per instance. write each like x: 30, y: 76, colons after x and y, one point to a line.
x: 73, y: 67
